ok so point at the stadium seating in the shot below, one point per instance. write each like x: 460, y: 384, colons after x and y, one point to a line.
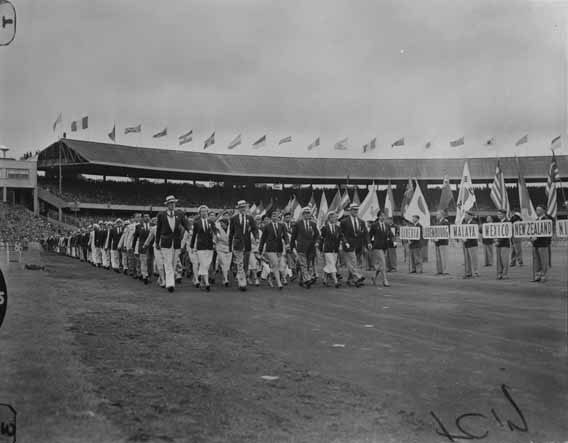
x: 18, y: 224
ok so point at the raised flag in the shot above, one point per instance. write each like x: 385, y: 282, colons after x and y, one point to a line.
x: 297, y: 209
x: 555, y: 144
x: 408, y: 193
x: 551, y: 187
x: 323, y: 210
x: 162, y: 133
x: 253, y: 210
x: 343, y: 204
x: 57, y: 121
x: 490, y: 142
x: 428, y: 145
x: 288, y: 207
x: 498, y: 192
x: 185, y: 138
x: 112, y: 134
x: 341, y: 145
x: 85, y: 122
x: 418, y: 206
x: 336, y: 201
x: 268, y: 207
x: 356, y: 198
x: 285, y: 140
x: 525, y: 203
x: 466, y: 195
x: 370, y: 206
x: 399, y: 142
x: 260, y: 142
x: 389, y: 202
x: 447, y: 196
x: 210, y: 141
x: 235, y: 142
x: 314, y: 144
x: 74, y: 126
x: 458, y: 142
x: 137, y: 128
x: 373, y: 144
x: 524, y: 139
x: 365, y: 147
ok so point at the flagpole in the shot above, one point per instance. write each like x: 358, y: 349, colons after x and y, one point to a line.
x: 60, y: 180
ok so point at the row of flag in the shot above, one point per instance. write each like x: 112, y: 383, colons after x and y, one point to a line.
x: 341, y: 145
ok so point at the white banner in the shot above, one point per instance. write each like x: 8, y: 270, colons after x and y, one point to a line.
x: 562, y: 228
x: 536, y: 228
x: 436, y: 232
x: 497, y: 230
x: 464, y: 232
x: 409, y: 233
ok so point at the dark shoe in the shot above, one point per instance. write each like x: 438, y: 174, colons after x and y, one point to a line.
x: 178, y: 280
x: 280, y: 287
x: 197, y: 285
x: 386, y: 284
x: 146, y: 281
x: 535, y: 280
x: 337, y: 285
x: 226, y: 284
x: 499, y: 277
x: 208, y: 288
x: 242, y: 288
x: 360, y: 280
x: 171, y: 289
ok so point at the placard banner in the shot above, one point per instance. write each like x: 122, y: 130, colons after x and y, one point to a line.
x: 464, y: 232
x: 534, y: 228
x: 436, y: 232
x: 497, y: 230
x: 562, y: 228
x: 409, y: 233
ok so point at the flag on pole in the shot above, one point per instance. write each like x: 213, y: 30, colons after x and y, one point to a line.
x: 524, y: 139
x: 341, y: 145
x: 458, y: 142
x: 418, y: 206
x: 185, y: 138
x: 447, y: 196
x: 371, y: 145
x: 466, y: 196
x: 555, y: 144
x: 268, y: 207
x: 498, y: 193
x: 297, y: 209
x: 323, y: 210
x: 112, y: 134
x: 235, y: 142
x: 74, y: 126
x: 408, y: 193
x: 253, y: 210
x: 527, y: 208
x: 260, y: 142
x: 370, y: 206
x: 57, y: 121
x: 314, y: 144
x: 133, y: 129
x: 336, y: 201
x: 85, y: 122
x: 288, y: 207
x: 285, y: 140
x: 490, y: 142
x: 343, y: 204
x: 399, y: 142
x: 389, y: 202
x: 210, y: 141
x: 356, y: 198
x: 551, y: 187
x: 428, y: 145
x: 162, y: 133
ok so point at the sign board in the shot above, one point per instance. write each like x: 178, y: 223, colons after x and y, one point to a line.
x: 464, y: 232
x: 409, y: 233
x: 436, y: 232
x: 562, y: 228
x: 535, y: 228
x: 497, y: 230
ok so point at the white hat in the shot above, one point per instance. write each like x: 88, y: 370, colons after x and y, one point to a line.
x: 353, y: 206
x: 241, y: 203
x: 306, y: 209
x: 118, y: 220
x: 170, y: 199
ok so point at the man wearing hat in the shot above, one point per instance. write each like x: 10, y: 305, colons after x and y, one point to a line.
x: 114, y: 238
x: 274, y: 239
x: 105, y: 248
x: 202, y: 236
x: 441, y: 245
x: 305, y: 238
x: 379, y: 236
x: 415, y: 248
x: 355, y: 238
x: 158, y: 265
x: 122, y: 246
x: 169, y: 231
x: 99, y: 240
x: 502, y: 248
x: 241, y: 228
x: 470, y: 250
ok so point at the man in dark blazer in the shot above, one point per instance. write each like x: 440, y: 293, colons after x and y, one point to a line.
x: 305, y: 238
x: 330, y: 241
x: 145, y: 255
x: 541, y: 258
x: 169, y: 232
x: 380, y: 236
x: 355, y: 237
x: 273, y: 238
x: 241, y: 227
x: 502, y: 248
x: 113, y: 239
x: 470, y: 249
x: 202, y: 242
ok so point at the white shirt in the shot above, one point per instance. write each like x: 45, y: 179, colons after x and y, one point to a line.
x: 171, y: 220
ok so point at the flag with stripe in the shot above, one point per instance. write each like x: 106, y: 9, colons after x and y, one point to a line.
x: 341, y: 145
x: 185, y: 138
x: 399, y: 142
x: 314, y: 144
x: 112, y: 134
x: 551, y: 187
x: 210, y: 141
x: 162, y: 133
x: 137, y: 128
x: 408, y: 193
x: 525, y: 203
x: 466, y: 196
x: 335, y: 202
x: 555, y: 144
x: 235, y: 142
x: 343, y: 204
x: 389, y: 202
x: 417, y: 206
x: 323, y: 210
x: 370, y: 206
x: 58, y: 121
x: 490, y: 141
x: 260, y: 142
x: 458, y: 142
x: 285, y: 140
x: 524, y: 139
x: 498, y: 192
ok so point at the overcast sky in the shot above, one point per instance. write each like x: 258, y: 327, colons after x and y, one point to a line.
x: 424, y: 70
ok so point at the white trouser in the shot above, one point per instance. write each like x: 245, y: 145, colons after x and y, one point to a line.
x: 170, y: 257
x: 115, y: 259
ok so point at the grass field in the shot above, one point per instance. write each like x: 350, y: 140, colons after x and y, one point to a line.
x: 88, y: 355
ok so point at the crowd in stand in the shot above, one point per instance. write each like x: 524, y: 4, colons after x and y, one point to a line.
x: 18, y: 224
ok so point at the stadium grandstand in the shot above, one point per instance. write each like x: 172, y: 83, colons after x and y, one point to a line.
x: 83, y: 180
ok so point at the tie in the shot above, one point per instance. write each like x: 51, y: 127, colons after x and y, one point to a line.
x: 243, y: 222
x: 331, y: 228
x: 306, y: 225
x: 274, y: 226
x: 204, y: 225
x: 355, y: 225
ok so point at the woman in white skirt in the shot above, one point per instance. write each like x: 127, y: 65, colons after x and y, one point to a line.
x: 193, y: 261
x: 224, y: 256
x: 331, y: 237
x: 202, y: 242
x: 255, y: 266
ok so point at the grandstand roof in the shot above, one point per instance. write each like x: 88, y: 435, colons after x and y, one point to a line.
x: 79, y: 156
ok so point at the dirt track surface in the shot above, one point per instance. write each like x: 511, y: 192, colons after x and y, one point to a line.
x: 89, y: 355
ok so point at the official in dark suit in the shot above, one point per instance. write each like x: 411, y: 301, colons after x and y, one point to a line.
x: 355, y: 237
x: 380, y: 236
x: 290, y: 258
x: 502, y: 249
x: 330, y: 241
x: 169, y: 232
x: 392, y: 259
x: 541, y: 245
x: 305, y: 237
x: 145, y: 255
x: 272, y: 244
x: 241, y: 228
x: 202, y: 241
x: 441, y: 245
